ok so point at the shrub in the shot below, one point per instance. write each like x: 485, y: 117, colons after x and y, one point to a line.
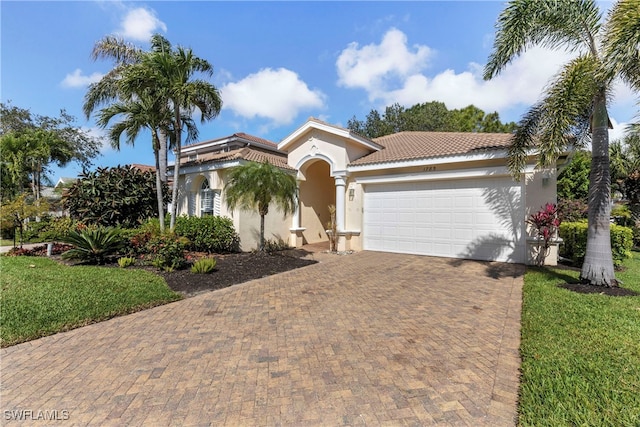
x: 273, y: 245
x: 126, y: 261
x: 119, y: 196
x: 572, y: 210
x: 167, y: 251
x: 93, y: 245
x: 56, y: 249
x: 213, y: 234
x: 204, y: 266
x: 574, y: 236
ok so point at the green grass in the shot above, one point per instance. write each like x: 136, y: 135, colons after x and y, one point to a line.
x: 580, y: 353
x: 41, y: 297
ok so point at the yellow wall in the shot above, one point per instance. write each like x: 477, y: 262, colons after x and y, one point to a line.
x: 317, y: 192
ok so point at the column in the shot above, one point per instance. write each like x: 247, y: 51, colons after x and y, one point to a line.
x: 340, y: 202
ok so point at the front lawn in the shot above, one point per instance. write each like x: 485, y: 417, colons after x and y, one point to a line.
x: 41, y: 297
x: 580, y: 352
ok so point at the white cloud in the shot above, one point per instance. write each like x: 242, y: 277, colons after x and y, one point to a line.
x: 77, y: 79
x: 278, y: 95
x: 374, y: 67
x: 140, y: 24
x: 390, y: 72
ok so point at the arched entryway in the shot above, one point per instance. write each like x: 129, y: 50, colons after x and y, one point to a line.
x: 317, y: 191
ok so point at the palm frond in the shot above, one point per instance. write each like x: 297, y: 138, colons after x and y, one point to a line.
x: 622, y: 42
x: 570, y: 24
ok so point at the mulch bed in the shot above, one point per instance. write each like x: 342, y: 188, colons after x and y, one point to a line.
x: 232, y: 269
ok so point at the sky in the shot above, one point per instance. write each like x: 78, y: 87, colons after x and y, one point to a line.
x: 278, y: 63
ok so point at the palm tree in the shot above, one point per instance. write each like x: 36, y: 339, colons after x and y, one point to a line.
x: 172, y: 73
x: 254, y: 186
x: 573, y: 108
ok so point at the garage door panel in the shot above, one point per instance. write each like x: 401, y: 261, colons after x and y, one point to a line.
x: 461, y: 219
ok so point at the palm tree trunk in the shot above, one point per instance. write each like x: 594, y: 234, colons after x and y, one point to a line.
x: 176, y: 167
x: 597, y: 268
x: 261, y: 248
x: 159, y: 195
x: 163, y: 150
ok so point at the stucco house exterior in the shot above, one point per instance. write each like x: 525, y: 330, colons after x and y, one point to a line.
x: 430, y: 193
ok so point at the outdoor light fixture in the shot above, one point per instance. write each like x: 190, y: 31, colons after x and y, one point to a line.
x: 546, y: 175
x: 351, y: 192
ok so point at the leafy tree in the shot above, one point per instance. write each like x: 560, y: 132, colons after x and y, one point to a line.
x: 255, y: 186
x: 575, y: 102
x: 16, y: 212
x: 573, y: 181
x: 113, y: 196
x: 429, y: 116
x: 30, y: 143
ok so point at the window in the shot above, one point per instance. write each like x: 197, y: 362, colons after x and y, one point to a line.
x: 209, y: 200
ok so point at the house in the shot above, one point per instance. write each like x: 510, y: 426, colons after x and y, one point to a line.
x: 431, y: 193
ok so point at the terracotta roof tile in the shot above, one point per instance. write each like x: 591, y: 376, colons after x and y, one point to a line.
x: 240, y: 135
x: 245, y: 153
x: 423, y: 145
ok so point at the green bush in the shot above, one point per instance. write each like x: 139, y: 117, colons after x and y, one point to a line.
x: 213, y: 234
x: 273, y: 245
x: 93, y: 245
x: 118, y: 196
x: 204, y: 266
x: 126, y: 261
x: 574, y: 236
x: 167, y: 252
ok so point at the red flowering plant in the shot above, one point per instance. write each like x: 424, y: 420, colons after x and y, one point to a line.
x: 545, y: 223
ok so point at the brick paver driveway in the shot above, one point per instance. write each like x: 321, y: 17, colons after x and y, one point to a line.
x: 364, y: 339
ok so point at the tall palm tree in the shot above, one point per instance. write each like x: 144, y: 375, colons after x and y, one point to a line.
x: 255, y: 186
x: 573, y: 108
x: 172, y: 73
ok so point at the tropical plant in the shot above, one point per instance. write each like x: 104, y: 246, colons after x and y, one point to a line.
x: 545, y: 223
x: 255, y: 186
x: 118, y: 196
x: 152, y: 90
x: 573, y: 109
x: 31, y: 143
x: 213, y: 234
x: 93, y: 245
x: 204, y: 266
x: 126, y: 261
x: 167, y: 251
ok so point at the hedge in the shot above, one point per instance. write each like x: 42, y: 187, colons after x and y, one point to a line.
x: 574, y: 236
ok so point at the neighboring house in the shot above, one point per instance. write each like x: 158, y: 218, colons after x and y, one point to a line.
x: 430, y: 193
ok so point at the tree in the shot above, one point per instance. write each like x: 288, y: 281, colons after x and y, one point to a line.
x: 120, y: 196
x: 171, y: 72
x: 255, y: 186
x: 429, y: 116
x: 138, y: 101
x: 573, y: 181
x: 29, y: 144
x: 573, y: 108
x: 17, y: 211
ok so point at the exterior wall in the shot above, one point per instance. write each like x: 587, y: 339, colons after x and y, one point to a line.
x: 247, y: 224
x: 325, y: 146
x: 276, y: 227
x: 540, y: 188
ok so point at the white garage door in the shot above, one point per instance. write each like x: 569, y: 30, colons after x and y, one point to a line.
x: 473, y: 218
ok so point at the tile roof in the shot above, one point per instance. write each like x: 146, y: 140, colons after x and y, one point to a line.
x: 245, y: 153
x: 423, y: 145
x: 238, y: 135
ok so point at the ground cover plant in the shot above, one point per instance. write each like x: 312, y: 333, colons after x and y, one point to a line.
x: 41, y: 296
x: 580, y: 351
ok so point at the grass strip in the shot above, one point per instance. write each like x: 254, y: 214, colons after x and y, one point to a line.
x: 41, y: 297
x: 580, y: 352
